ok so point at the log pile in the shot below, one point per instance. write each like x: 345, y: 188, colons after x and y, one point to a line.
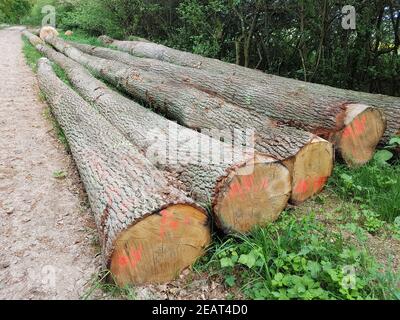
x: 274, y: 97
x: 188, y: 105
x: 207, y: 168
x: 133, y: 203
x: 149, y: 178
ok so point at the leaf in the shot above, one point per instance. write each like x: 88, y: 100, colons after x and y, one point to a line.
x: 230, y: 280
x: 226, y: 262
x: 59, y: 174
x: 314, y: 268
x: 394, y: 141
x: 383, y: 156
x: 248, y: 260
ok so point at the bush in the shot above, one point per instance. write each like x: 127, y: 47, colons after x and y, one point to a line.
x: 12, y: 11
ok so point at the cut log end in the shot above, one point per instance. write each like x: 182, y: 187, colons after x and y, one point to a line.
x: 158, y: 248
x: 252, y: 195
x: 365, y: 127
x: 310, y: 169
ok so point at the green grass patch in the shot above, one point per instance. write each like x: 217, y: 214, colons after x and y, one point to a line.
x: 82, y: 37
x: 300, y: 258
x: 375, y: 187
x: 32, y: 56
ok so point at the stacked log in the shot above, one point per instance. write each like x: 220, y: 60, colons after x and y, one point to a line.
x: 246, y: 189
x: 140, y: 214
x: 197, y: 109
x: 348, y: 119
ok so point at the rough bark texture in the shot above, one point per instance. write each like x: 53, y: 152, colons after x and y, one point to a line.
x: 200, y: 110
x: 201, y: 163
x: 123, y: 187
x: 312, y: 107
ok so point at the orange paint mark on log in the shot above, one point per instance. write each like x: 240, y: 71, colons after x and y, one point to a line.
x: 301, y: 187
x: 356, y: 129
x: 186, y: 221
x: 348, y: 132
x: 235, y: 190
x: 123, y: 261
x: 319, y: 183
x: 174, y: 224
x: 136, y: 255
x: 359, y: 125
x: 168, y: 223
x: 248, y: 182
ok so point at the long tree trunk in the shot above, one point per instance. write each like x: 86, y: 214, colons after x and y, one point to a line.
x: 200, y: 110
x: 208, y: 168
x: 133, y: 203
x: 316, y: 108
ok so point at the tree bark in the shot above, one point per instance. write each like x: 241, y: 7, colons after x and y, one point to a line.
x: 200, y: 110
x: 130, y: 199
x: 316, y: 108
x: 208, y: 168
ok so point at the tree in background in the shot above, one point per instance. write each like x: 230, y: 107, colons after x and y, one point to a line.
x: 301, y: 39
x: 12, y: 11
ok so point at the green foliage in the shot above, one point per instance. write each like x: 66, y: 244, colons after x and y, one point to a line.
x: 298, y: 39
x: 31, y: 54
x: 300, y: 259
x: 12, y: 11
x: 81, y: 37
x: 63, y: 9
x: 376, y: 187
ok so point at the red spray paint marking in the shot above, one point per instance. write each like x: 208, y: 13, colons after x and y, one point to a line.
x: 302, y: 186
x: 174, y: 224
x: 359, y: 128
x: 235, y: 190
x: 123, y: 261
x: 248, y: 182
x: 135, y: 257
x: 319, y: 182
x: 359, y: 125
x: 167, y: 222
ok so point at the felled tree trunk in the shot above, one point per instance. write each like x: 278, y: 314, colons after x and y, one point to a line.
x: 346, y: 118
x: 149, y: 230
x: 199, y: 110
x: 316, y: 108
x: 208, y: 168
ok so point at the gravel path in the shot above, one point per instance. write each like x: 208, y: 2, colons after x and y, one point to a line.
x: 46, y: 230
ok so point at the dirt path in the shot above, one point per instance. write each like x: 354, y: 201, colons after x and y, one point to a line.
x: 45, y: 227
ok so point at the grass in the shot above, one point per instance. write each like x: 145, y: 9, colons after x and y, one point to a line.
x: 32, y: 57
x: 300, y: 258
x: 100, y: 285
x: 323, y: 249
x: 81, y: 37
x: 375, y: 187
x: 31, y: 54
